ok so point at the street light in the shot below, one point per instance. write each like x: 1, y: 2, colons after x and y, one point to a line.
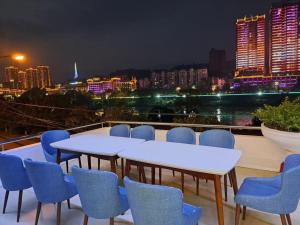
x: 16, y: 57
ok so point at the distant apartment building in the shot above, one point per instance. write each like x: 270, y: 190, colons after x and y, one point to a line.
x: 22, y: 80
x: 32, y: 78
x: 44, y: 78
x: 182, y: 76
x: 285, y: 38
x: 11, y: 77
x: 250, y: 46
x: 217, y: 63
x: 144, y: 83
x: 159, y: 79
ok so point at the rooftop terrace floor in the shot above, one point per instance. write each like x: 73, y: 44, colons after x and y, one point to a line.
x: 75, y: 215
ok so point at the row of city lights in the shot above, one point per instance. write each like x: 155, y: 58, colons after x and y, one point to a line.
x: 219, y: 95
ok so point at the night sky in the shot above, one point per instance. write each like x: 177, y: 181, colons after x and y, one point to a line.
x: 103, y: 36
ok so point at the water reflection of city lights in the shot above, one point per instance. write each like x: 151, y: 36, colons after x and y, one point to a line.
x: 219, y: 112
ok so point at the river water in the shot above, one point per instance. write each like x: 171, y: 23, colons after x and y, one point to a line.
x: 229, y: 109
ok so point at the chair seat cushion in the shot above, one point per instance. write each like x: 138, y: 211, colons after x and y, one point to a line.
x: 255, y: 194
x: 253, y: 188
x: 191, y: 214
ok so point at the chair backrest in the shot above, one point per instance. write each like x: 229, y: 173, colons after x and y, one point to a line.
x: 12, y: 173
x: 143, y: 132
x: 153, y: 204
x: 47, y: 180
x: 98, y: 192
x: 181, y: 135
x: 122, y: 130
x: 290, y: 189
x: 217, y: 138
x: 291, y: 162
x: 49, y: 137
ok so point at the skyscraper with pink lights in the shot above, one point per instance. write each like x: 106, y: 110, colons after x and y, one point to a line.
x: 285, y: 39
x: 250, y: 48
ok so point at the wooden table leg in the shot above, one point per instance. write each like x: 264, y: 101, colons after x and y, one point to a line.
x: 153, y: 175
x: 232, y: 174
x: 89, y: 162
x: 144, y: 179
x: 182, y: 182
x: 127, y: 167
x: 113, y: 165
x: 218, y: 193
x: 122, y: 168
x: 58, y: 155
x: 159, y: 174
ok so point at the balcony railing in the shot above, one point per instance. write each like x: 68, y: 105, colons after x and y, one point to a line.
x: 110, y: 123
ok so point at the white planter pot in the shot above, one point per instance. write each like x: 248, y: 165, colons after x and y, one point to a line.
x: 287, y: 140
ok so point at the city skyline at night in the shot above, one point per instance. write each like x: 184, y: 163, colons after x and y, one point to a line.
x: 151, y: 35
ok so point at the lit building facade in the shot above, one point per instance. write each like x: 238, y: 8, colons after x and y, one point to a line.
x: 44, y: 78
x: 285, y: 39
x: 186, y: 76
x: 250, y: 46
x: 22, y: 79
x: 11, y: 77
x: 32, y: 78
x: 98, y: 86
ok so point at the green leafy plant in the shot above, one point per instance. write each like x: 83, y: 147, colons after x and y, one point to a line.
x: 285, y: 117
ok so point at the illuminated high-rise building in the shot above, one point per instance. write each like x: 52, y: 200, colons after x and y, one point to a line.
x: 250, y: 46
x: 31, y: 78
x: 22, y: 80
x: 43, y: 76
x: 285, y: 38
x: 11, y: 76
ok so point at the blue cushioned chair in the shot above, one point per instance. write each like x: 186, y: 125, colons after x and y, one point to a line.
x: 52, y: 136
x: 217, y: 138
x: 50, y: 185
x: 14, y: 178
x: 180, y: 135
x: 159, y: 205
x: 277, y: 195
x: 100, y: 195
x: 121, y: 130
x: 143, y: 132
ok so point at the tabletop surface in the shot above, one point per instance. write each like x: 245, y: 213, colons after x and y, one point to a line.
x: 96, y: 144
x: 197, y: 158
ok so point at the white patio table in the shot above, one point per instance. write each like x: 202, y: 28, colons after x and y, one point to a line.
x: 201, y: 161
x: 99, y: 146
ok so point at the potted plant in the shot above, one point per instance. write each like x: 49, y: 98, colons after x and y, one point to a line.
x: 281, y: 124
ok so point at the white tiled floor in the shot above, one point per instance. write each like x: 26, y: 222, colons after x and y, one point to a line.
x: 75, y: 215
